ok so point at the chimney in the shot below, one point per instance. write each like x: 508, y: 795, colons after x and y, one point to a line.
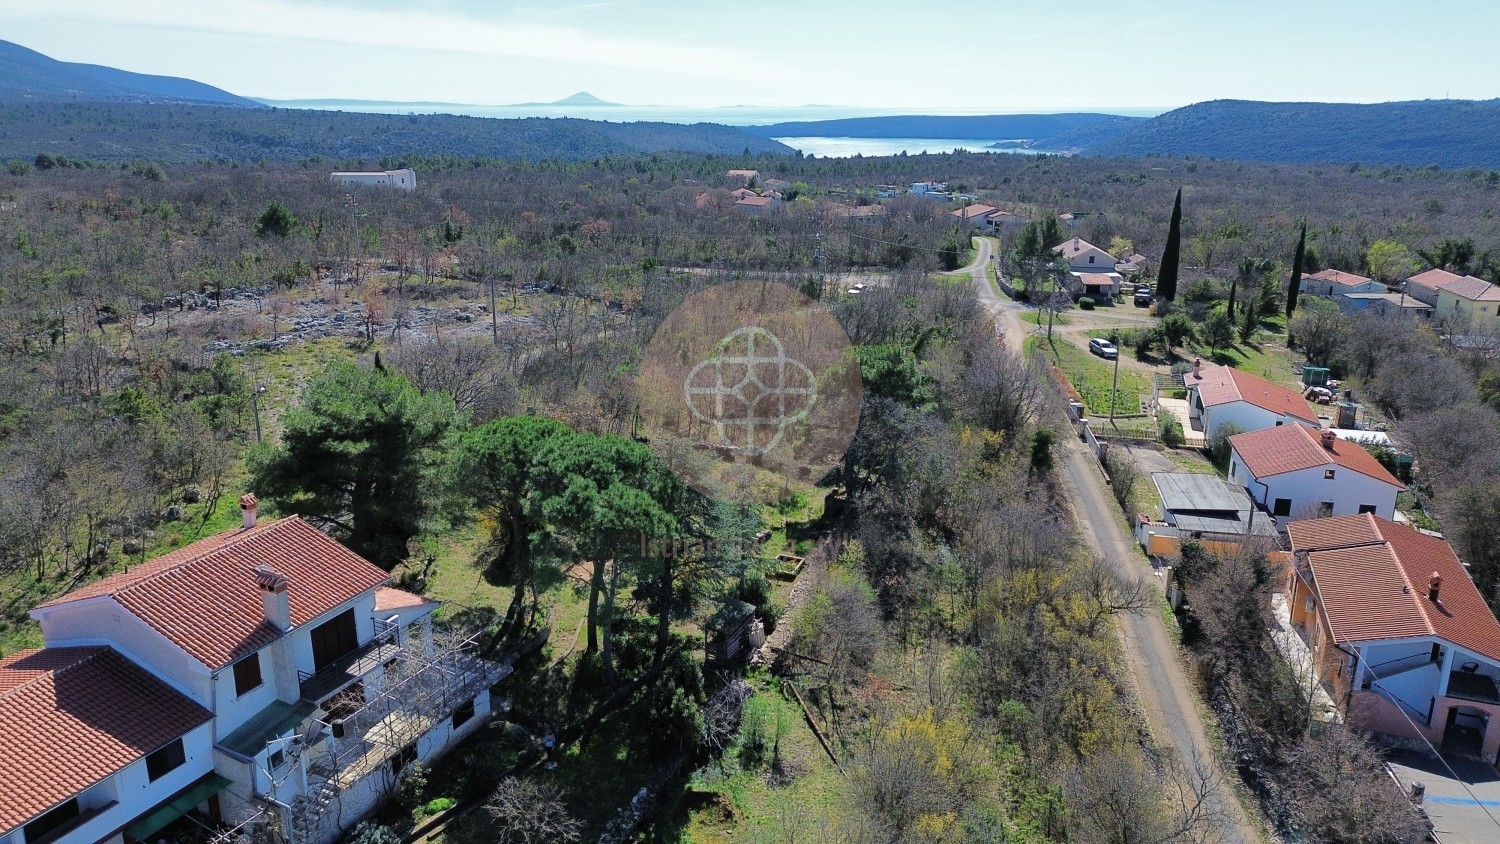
x: 273, y: 597
x: 1329, y: 438
x: 248, y: 505
x: 1434, y: 583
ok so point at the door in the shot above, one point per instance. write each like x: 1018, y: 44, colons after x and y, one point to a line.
x: 333, y: 639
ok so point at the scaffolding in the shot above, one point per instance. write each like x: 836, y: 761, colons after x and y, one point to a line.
x: 371, y: 728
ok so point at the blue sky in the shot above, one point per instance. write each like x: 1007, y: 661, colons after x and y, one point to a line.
x: 935, y: 54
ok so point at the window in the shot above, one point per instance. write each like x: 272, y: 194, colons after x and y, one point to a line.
x: 402, y: 759
x: 1282, y: 507
x: 1367, y: 508
x: 462, y: 714
x: 247, y: 675
x: 1279, y: 421
x: 1325, y: 509
x: 1328, y: 474
x: 276, y: 759
x: 166, y: 760
x: 1234, y: 469
x: 37, y: 830
x: 1091, y: 259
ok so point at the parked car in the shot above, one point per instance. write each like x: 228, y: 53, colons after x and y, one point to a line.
x: 857, y: 288
x: 1103, y: 348
x: 1143, y: 296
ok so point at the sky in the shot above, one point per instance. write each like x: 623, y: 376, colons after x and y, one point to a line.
x: 935, y: 55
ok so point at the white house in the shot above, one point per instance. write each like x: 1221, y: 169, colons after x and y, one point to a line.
x: 1295, y: 472
x: 284, y: 679
x: 403, y: 180
x: 1220, y: 394
x: 1333, y: 282
x: 1399, y: 633
x: 1085, y: 257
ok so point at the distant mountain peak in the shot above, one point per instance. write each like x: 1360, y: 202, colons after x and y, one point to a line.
x: 584, y: 98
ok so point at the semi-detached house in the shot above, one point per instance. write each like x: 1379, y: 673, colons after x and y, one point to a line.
x: 266, y: 676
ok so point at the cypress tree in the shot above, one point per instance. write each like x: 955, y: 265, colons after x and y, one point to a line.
x: 1295, y: 285
x: 1166, y: 280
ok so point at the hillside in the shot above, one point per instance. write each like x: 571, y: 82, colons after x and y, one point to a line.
x: 29, y: 76
x: 1448, y: 133
x: 985, y: 127
x: 183, y: 133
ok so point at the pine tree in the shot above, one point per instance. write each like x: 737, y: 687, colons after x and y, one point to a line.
x: 1295, y: 285
x: 1166, y: 279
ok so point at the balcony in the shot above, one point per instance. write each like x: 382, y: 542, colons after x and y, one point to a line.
x: 349, y: 668
x: 1471, y: 686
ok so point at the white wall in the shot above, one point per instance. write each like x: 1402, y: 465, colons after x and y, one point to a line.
x: 364, y: 625
x: 1307, y: 488
x: 1246, y: 415
x: 105, y: 622
x: 137, y: 795
x: 232, y: 711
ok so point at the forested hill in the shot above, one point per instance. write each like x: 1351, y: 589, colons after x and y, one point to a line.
x: 29, y: 76
x: 1448, y: 133
x: 186, y: 133
x: 986, y: 127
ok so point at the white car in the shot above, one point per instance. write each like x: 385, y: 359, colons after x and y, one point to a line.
x: 857, y: 288
x: 1103, y: 348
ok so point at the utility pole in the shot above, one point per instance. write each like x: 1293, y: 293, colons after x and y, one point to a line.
x: 255, y: 404
x: 1114, y: 386
x: 494, y: 318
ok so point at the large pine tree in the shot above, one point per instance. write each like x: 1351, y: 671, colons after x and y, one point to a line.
x: 1166, y: 279
x: 1294, y: 286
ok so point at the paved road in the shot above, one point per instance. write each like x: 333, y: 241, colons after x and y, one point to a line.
x: 1161, y: 684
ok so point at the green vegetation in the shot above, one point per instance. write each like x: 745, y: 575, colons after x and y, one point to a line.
x: 1092, y: 378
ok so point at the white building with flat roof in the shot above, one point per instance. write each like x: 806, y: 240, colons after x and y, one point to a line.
x: 404, y: 180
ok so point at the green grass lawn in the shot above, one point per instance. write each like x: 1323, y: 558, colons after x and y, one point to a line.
x: 1269, y: 358
x: 1092, y: 377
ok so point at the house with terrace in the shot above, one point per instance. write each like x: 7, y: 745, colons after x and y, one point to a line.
x: 266, y: 677
x: 1331, y: 283
x: 1401, y: 637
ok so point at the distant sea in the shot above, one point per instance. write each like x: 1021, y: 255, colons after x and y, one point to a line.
x: 728, y: 116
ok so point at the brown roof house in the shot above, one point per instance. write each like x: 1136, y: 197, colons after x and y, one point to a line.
x: 1295, y: 472
x: 1401, y: 636
x: 263, y: 674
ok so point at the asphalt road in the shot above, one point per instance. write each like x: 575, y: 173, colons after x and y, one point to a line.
x: 1161, y: 685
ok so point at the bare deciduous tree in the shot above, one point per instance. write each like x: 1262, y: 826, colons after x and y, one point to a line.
x: 527, y: 812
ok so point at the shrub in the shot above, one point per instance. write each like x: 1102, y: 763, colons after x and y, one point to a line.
x: 1218, y: 447
x: 373, y: 833
x: 439, y: 804
x: 1171, y: 432
x: 1086, y: 303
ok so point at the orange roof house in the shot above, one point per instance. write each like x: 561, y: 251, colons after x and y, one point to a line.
x: 1292, y: 470
x: 1220, y: 394
x: 71, y: 717
x: 1401, y: 633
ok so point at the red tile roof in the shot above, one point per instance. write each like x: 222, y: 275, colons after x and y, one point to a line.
x: 1292, y: 448
x: 69, y: 717
x: 1435, y: 279
x: 1372, y: 575
x: 1218, y: 385
x: 1338, y: 277
x: 1074, y: 246
x: 969, y: 212
x: 1473, y: 289
x: 390, y: 598
x: 204, y: 599
x: 754, y: 201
